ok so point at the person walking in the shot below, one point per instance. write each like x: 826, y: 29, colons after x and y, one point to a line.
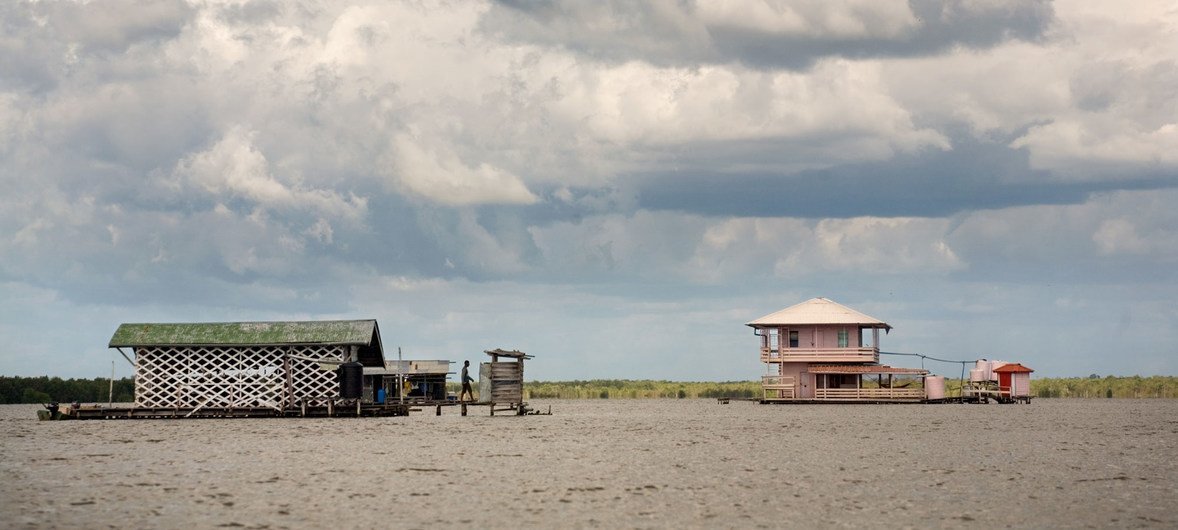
x: 466, y: 380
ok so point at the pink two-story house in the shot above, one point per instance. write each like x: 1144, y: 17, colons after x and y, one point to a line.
x: 820, y: 350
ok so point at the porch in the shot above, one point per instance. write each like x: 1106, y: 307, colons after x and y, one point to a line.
x: 820, y: 355
x: 848, y: 384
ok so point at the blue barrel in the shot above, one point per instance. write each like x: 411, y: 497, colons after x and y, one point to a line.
x: 351, y: 380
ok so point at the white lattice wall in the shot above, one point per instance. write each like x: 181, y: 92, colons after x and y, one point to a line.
x: 232, y: 376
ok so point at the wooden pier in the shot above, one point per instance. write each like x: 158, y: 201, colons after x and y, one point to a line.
x: 317, y: 411
x: 304, y: 410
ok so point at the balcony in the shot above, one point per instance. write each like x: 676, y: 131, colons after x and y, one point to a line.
x: 870, y: 394
x: 820, y: 355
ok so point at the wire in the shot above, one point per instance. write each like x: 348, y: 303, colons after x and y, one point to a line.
x: 924, y: 357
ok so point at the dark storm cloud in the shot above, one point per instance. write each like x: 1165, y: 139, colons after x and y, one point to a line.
x: 674, y: 35
x: 973, y: 175
x: 42, y: 40
x: 941, y: 26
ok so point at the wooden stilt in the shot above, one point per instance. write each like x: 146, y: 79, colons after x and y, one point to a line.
x: 464, y: 409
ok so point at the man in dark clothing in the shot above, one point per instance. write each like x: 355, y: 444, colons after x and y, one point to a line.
x: 466, y: 380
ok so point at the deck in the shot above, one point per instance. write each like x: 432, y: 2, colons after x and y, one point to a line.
x: 819, y: 355
x: 158, y: 413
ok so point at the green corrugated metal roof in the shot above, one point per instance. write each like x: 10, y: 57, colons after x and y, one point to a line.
x: 359, y: 332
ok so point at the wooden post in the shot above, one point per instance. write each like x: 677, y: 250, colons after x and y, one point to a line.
x: 439, y: 411
x: 464, y: 409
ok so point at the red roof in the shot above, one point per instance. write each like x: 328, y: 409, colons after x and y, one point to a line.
x: 1013, y: 368
x: 862, y: 369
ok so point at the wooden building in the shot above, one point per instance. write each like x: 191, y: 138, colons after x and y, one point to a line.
x: 502, y: 382
x: 230, y: 365
x: 820, y: 350
x: 1014, y: 382
x: 418, y: 380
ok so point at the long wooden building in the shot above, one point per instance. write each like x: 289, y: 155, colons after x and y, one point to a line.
x: 230, y: 365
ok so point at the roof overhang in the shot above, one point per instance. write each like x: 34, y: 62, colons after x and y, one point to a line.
x: 818, y: 312
x: 1013, y: 368
x: 863, y: 369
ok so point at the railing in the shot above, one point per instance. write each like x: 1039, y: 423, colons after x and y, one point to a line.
x: 869, y: 393
x: 775, y: 355
x: 778, y: 387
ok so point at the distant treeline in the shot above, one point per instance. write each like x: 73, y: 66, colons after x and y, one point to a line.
x: 1068, y: 387
x: 1095, y: 386
x: 628, y: 389
x: 45, y: 389
x: 631, y: 389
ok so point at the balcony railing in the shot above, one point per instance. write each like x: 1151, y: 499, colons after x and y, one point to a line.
x: 820, y: 355
x: 868, y: 394
x: 778, y: 387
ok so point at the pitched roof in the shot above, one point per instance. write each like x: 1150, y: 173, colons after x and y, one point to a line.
x: 861, y: 369
x: 358, y: 332
x: 1013, y: 368
x: 363, y: 333
x: 818, y: 311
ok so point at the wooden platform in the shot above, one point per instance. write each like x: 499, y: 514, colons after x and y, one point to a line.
x: 140, y: 413
x: 343, y: 410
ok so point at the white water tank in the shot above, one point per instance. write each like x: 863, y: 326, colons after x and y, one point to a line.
x: 977, y: 375
x: 934, y: 387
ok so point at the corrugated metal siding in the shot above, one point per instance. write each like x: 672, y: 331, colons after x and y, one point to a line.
x: 357, y: 332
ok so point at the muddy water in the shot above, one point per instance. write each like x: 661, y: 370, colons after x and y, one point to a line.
x: 612, y: 464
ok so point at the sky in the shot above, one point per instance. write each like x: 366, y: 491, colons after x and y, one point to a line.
x: 613, y: 187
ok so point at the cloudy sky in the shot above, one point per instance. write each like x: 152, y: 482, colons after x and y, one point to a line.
x: 615, y: 187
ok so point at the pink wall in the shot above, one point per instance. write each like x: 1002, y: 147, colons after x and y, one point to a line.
x: 823, y: 336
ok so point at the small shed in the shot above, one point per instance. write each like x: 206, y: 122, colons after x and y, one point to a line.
x: 502, y: 382
x: 426, y: 379
x: 1015, y: 379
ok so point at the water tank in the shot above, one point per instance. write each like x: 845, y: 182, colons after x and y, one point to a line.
x: 977, y: 375
x: 351, y: 380
x: 934, y: 387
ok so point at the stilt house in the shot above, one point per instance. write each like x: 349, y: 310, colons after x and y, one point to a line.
x: 820, y: 350
x: 244, y: 364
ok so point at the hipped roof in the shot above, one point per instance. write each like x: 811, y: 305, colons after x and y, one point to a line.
x: 817, y: 311
x: 1013, y: 368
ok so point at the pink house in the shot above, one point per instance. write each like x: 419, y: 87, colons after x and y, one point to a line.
x: 822, y: 351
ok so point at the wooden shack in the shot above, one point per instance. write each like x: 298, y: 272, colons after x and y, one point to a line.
x: 231, y: 365
x: 1014, y: 381
x: 426, y: 380
x: 502, y: 382
x: 822, y: 351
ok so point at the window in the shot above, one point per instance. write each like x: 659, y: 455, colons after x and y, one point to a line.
x: 793, y: 339
x: 842, y: 338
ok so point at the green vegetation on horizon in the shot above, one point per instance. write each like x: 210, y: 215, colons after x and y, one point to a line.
x: 44, y: 389
x: 1067, y: 387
